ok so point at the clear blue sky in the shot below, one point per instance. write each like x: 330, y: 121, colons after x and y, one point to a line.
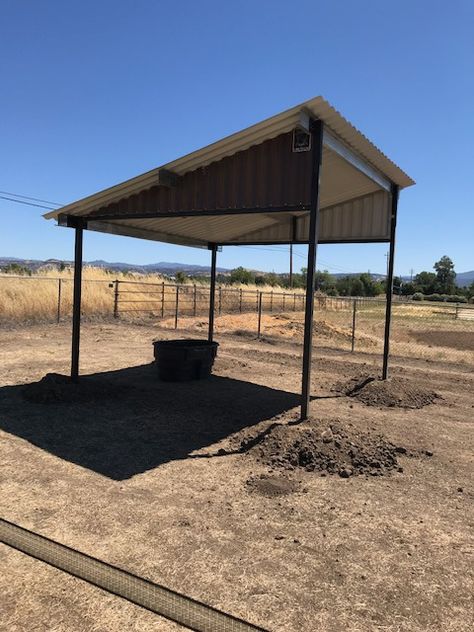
x: 94, y: 92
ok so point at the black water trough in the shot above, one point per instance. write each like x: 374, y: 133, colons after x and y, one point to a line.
x: 182, y: 360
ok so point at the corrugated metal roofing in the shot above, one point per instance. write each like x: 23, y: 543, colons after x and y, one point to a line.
x: 341, y: 186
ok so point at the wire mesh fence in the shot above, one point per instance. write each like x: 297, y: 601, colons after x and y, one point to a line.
x: 431, y: 331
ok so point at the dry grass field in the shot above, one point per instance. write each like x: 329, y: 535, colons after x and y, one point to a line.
x: 35, y: 298
x: 148, y: 478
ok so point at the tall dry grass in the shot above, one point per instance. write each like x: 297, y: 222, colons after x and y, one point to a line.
x: 40, y: 296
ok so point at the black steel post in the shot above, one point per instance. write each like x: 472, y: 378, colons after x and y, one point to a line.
x: 212, y: 293
x: 176, y: 308
x: 76, y: 306
x: 317, y: 151
x: 259, y: 314
x: 194, y: 300
x: 116, y: 297
x: 291, y: 267
x: 389, y: 288
x: 58, y: 315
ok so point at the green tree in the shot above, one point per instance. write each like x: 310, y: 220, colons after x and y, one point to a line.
x: 425, y: 282
x: 445, y: 275
x: 17, y: 269
x: 272, y: 279
x: 180, y: 277
x: 242, y: 275
x: 323, y: 281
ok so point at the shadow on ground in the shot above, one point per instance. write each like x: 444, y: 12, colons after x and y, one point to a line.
x: 134, y: 422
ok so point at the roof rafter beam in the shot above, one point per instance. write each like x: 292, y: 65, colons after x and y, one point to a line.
x: 342, y: 150
x: 133, y: 231
x: 107, y: 217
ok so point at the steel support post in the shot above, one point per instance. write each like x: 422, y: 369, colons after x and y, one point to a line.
x: 58, y: 314
x: 76, y: 306
x: 116, y: 297
x: 317, y: 151
x: 212, y: 293
x: 389, y: 288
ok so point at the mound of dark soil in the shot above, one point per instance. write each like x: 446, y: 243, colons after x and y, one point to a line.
x: 393, y: 392
x: 55, y: 388
x: 325, y: 448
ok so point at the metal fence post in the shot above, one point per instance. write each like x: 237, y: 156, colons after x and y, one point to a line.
x: 240, y: 301
x: 116, y: 297
x: 220, y: 300
x: 162, y: 299
x: 176, y: 308
x: 354, y: 309
x: 194, y: 301
x: 259, y: 314
x: 283, y: 306
x: 271, y: 301
x: 294, y: 302
x: 456, y: 315
x: 58, y: 316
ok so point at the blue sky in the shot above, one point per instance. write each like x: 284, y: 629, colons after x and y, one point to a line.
x: 94, y: 92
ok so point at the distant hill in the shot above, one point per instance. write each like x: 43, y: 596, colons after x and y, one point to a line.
x: 163, y: 267
x: 168, y: 268
x: 463, y: 279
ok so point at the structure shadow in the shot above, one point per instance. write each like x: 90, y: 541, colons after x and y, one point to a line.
x: 125, y: 422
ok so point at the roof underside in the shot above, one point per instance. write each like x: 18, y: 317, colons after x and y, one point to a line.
x: 253, y: 188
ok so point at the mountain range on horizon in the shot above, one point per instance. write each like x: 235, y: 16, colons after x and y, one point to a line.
x: 463, y: 279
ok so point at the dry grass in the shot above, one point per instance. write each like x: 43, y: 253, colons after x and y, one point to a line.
x: 35, y: 298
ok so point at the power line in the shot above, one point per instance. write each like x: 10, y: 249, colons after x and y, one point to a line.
x: 28, y: 197
x: 297, y: 254
x: 10, y: 199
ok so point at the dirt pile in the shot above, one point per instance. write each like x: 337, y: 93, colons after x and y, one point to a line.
x: 286, y: 325
x: 394, y: 392
x: 55, y: 388
x: 324, y: 448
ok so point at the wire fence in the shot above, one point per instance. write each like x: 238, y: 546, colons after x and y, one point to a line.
x: 430, y: 331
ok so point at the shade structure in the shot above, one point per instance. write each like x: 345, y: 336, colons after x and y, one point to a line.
x: 303, y: 176
x: 254, y: 187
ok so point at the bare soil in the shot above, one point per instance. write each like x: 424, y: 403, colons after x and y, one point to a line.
x: 395, y: 391
x: 463, y: 340
x: 184, y: 484
x: 329, y: 449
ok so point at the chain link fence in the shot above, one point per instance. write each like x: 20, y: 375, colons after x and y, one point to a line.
x: 431, y: 331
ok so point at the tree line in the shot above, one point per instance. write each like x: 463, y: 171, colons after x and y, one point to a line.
x: 439, y: 285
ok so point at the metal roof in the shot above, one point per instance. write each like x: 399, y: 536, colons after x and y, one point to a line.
x: 356, y: 178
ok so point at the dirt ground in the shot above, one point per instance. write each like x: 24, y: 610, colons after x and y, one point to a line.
x: 148, y: 478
